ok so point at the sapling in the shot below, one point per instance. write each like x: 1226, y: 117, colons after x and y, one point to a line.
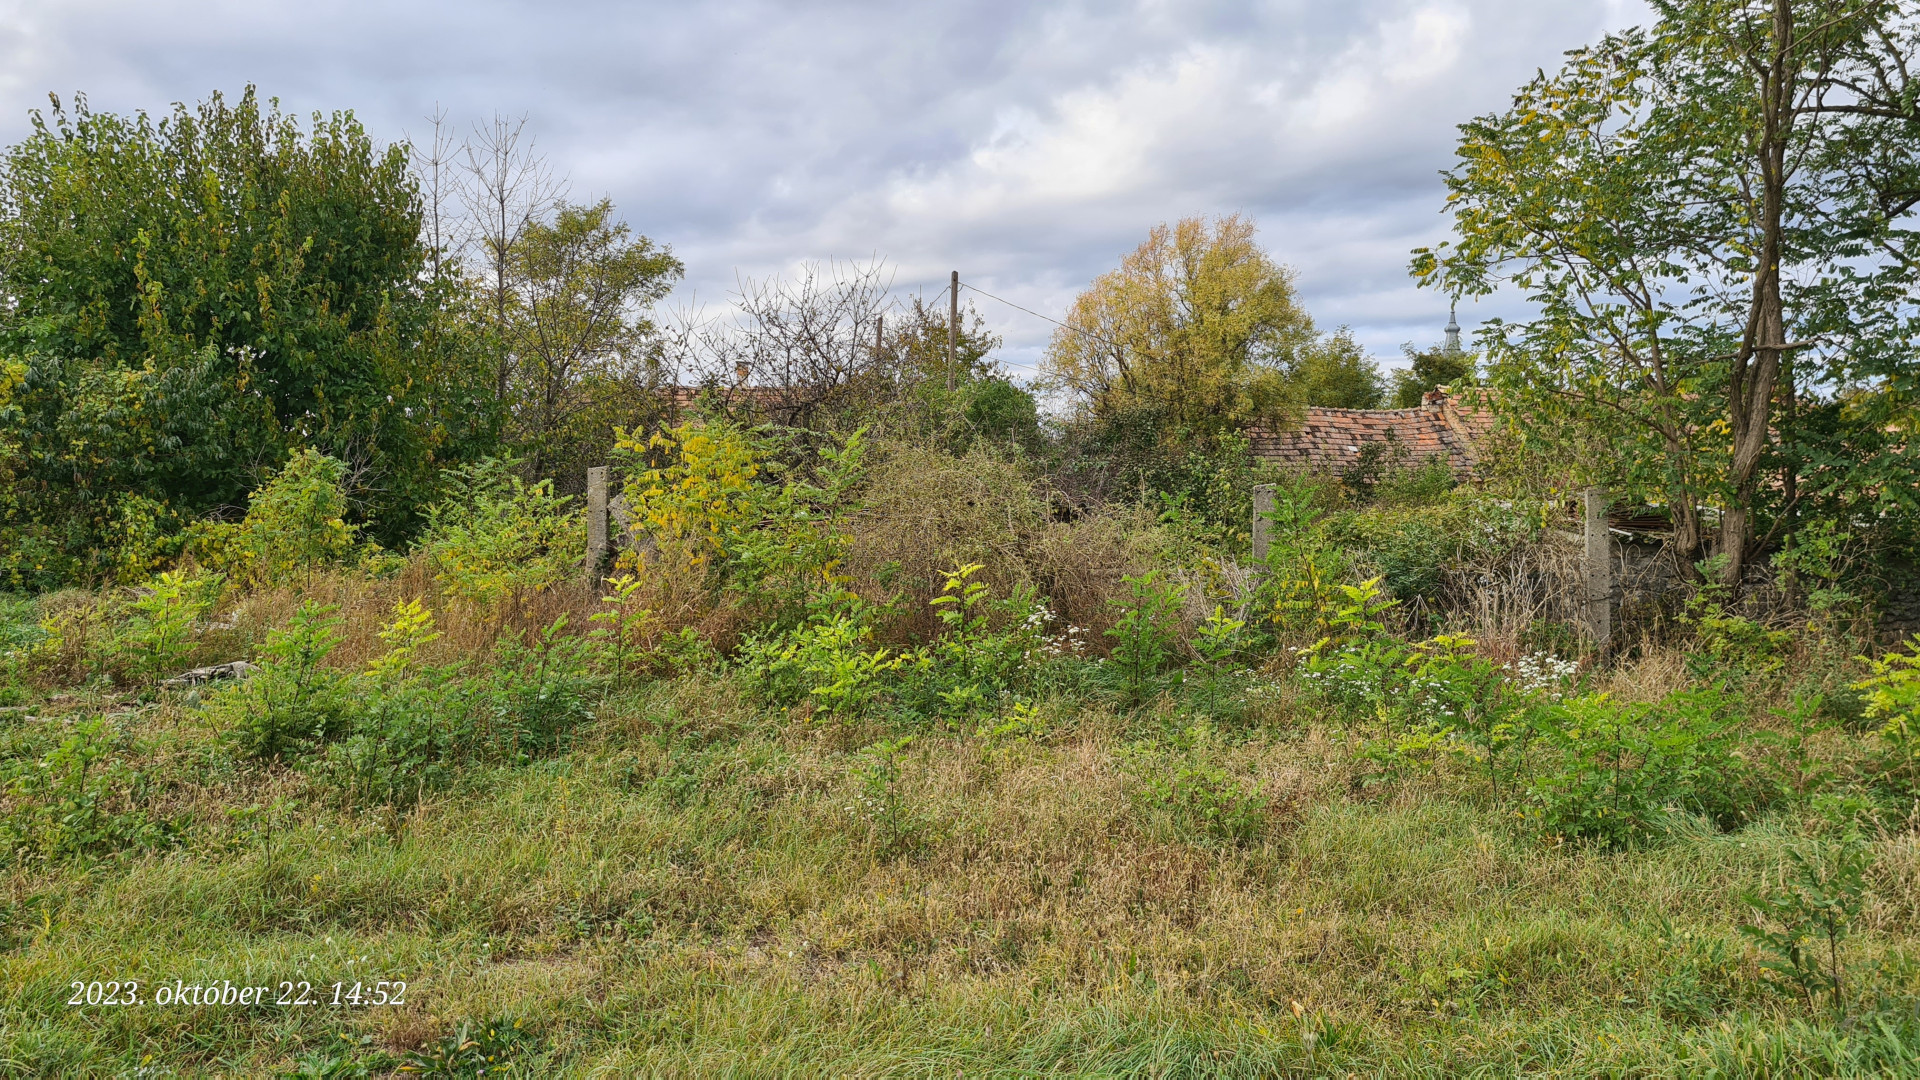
x: 1217, y: 641
x: 1804, y: 921
x: 1143, y: 634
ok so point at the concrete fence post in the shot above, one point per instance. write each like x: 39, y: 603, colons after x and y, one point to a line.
x: 1262, y: 521
x: 1596, y: 608
x: 596, y: 522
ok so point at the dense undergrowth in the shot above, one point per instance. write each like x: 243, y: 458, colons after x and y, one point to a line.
x: 869, y: 759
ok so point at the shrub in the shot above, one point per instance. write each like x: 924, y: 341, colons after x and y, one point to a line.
x: 495, y: 537
x: 826, y: 660
x: 1804, y: 920
x: 1893, y: 697
x: 974, y: 668
x: 1217, y: 641
x: 295, y: 523
x: 1144, y: 635
x: 539, y: 692
x: 79, y: 802
x: 1615, y: 772
x: 158, y: 633
x: 293, y: 702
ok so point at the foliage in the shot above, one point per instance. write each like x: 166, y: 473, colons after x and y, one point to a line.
x: 1811, y: 914
x: 1303, y: 565
x: 896, y: 827
x: 699, y: 494
x: 64, y: 808
x: 1893, y: 697
x: 1722, y: 283
x: 974, y: 666
x: 295, y: 524
x: 495, y: 538
x: 1428, y: 370
x: 1616, y: 772
x: 293, y: 702
x: 1144, y: 636
x: 1217, y: 641
x: 158, y: 634
x: 1334, y: 372
x: 625, y: 626
x: 217, y: 288
x: 1199, y: 333
x: 713, y: 509
x: 582, y: 279
x: 1203, y: 804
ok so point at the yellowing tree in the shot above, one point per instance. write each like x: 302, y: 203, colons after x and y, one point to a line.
x: 1198, y: 328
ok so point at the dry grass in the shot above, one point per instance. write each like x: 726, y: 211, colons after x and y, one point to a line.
x: 689, y: 892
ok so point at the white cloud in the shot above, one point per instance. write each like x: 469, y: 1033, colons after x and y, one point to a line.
x: 1027, y: 144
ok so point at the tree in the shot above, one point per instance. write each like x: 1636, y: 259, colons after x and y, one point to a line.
x: 196, y: 297
x: 581, y: 285
x: 1429, y: 369
x: 1197, y: 327
x: 508, y: 187
x: 1712, y: 217
x: 1334, y: 372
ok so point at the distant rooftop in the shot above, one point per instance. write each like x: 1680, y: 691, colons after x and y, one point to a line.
x: 1332, y: 439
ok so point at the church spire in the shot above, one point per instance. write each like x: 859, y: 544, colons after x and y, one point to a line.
x: 1453, y: 332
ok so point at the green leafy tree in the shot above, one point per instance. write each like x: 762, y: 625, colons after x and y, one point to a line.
x: 1426, y: 370
x: 579, y: 333
x: 196, y: 296
x: 1197, y: 327
x: 1334, y: 372
x: 1712, y: 219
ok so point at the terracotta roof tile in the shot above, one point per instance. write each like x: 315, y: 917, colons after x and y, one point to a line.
x: 1333, y: 438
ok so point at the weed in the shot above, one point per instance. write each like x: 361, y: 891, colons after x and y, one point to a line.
x: 1615, y: 771
x: 80, y: 801
x: 158, y: 633
x: 1144, y: 634
x: 496, y: 1048
x: 294, y: 702
x: 1203, y: 804
x: 895, y: 828
x: 1804, y: 920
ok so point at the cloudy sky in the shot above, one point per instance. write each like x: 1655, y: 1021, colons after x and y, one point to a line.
x: 1026, y: 145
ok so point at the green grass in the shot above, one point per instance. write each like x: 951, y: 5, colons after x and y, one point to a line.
x: 695, y: 888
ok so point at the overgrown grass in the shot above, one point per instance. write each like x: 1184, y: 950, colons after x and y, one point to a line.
x: 805, y: 796
x: 698, y: 887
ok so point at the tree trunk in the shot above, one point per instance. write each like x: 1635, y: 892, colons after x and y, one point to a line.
x: 1756, y: 367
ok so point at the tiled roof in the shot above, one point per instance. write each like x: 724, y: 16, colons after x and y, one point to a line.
x: 1333, y: 438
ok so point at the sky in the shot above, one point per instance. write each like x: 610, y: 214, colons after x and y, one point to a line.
x: 1026, y: 145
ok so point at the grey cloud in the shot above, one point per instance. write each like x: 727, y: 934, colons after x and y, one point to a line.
x: 1026, y: 144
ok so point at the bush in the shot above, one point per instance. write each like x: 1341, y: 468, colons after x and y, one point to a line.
x: 80, y: 801
x: 295, y: 524
x: 1145, y: 636
x: 158, y: 634
x: 1614, y: 773
x: 539, y: 692
x: 293, y: 702
x: 1201, y: 804
x: 496, y: 538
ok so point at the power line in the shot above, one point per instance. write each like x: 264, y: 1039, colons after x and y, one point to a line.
x: 1048, y: 318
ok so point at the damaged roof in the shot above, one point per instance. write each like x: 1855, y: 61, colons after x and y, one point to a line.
x: 1333, y: 439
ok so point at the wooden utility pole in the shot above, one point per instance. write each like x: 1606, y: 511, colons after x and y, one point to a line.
x: 953, y: 325
x: 1596, y: 608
